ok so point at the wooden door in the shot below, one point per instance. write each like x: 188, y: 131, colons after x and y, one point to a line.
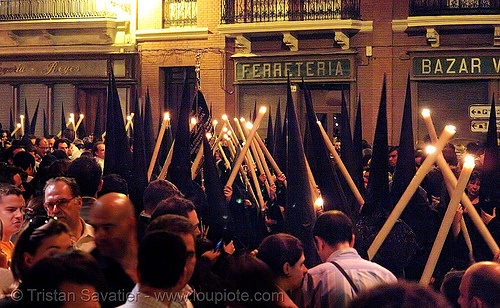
x: 91, y: 100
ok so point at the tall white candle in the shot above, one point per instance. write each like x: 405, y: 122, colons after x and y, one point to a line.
x: 163, y: 127
x: 196, y: 163
x: 451, y: 183
x: 22, y: 124
x: 341, y: 165
x: 260, y: 164
x: 447, y: 220
x: 245, y: 148
x: 168, y: 160
x: 219, y: 137
x: 268, y: 156
x: 18, y: 126
x: 129, y: 122
x: 79, y: 121
x: 448, y: 132
x: 72, y: 120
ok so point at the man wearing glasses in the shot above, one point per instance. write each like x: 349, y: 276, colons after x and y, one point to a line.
x: 63, y: 200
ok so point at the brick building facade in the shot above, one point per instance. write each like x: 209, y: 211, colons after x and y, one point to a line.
x: 244, y: 44
x: 241, y: 50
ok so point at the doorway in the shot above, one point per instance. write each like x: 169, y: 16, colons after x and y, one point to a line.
x: 174, y: 84
x: 91, y: 101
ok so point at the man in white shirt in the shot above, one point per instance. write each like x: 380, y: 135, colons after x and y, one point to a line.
x: 334, y: 285
x: 161, y: 269
x: 181, y: 226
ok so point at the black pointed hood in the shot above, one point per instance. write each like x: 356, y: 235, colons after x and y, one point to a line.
x: 63, y: 119
x: 27, y: 126
x: 357, y: 150
x: 33, y: 120
x: 139, y: 162
x: 45, y: 124
x: 179, y: 171
x: 12, y: 125
x: 270, y: 132
x: 149, y: 135
x: 118, y: 156
x: 378, y: 201
x: 345, y: 136
x: 405, y: 165
x: 319, y: 159
x: 299, y: 206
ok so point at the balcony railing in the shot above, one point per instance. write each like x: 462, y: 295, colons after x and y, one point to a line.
x: 250, y: 11
x: 180, y: 13
x: 454, y: 7
x: 11, y: 10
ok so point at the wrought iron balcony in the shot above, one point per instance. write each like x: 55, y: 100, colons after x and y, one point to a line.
x: 454, y: 7
x: 252, y: 11
x: 180, y: 13
x: 12, y: 10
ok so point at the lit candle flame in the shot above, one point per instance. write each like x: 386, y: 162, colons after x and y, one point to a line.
x: 319, y: 202
x: 451, y: 128
x: 426, y: 113
x: 469, y: 161
x: 430, y: 149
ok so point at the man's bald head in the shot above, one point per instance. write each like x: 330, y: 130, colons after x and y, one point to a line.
x: 481, y: 284
x: 112, y: 217
x: 114, y: 204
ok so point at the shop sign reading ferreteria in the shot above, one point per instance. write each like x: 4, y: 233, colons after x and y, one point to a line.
x: 63, y: 68
x: 457, y: 66
x: 279, y: 70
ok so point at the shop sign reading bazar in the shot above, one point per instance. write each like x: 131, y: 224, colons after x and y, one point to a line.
x: 456, y: 66
x: 82, y: 68
x: 278, y: 70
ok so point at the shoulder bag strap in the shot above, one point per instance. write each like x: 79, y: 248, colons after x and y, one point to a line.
x: 356, y: 290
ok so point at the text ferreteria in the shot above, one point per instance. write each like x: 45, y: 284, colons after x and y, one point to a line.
x: 338, y: 68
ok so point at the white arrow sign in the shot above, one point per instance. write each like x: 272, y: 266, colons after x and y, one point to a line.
x: 481, y: 126
x: 481, y: 111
